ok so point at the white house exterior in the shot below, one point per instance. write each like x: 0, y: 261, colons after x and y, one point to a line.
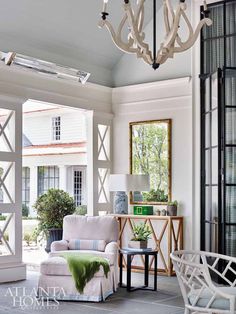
x: 54, y: 152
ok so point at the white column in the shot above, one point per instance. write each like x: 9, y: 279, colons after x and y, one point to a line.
x: 63, y: 178
x: 94, y: 119
x: 33, y: 189
x: 11, y: 266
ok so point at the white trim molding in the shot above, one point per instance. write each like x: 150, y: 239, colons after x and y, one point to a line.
x: 163, y: 95
x: 29, y: 85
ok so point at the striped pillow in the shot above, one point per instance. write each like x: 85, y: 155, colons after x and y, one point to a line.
x: 94, y: 245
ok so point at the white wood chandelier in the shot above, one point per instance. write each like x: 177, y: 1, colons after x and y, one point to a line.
x: 134, y: 19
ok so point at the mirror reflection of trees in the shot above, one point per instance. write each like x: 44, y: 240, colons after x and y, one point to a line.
x: 150, y: 154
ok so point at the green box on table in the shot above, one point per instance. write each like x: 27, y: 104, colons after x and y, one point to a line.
x: 144, y: 210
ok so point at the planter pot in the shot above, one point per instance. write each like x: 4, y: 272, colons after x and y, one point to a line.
x: 53, y: 235
x: 171, y: 210
x: 138, y: 244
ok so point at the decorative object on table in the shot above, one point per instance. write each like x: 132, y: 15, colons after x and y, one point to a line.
x: 130, y: 253
x: 172, y: 208
x: 138, y: 197
x: 122, y: 183
x: 163, y: 212
x: 141, y: 234
x: 158, y: 212
x: 143, y: 210
x: 150, y: 153
x: 51, y: 208
x: 136, y: 44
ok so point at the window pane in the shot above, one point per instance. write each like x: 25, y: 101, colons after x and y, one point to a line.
x: 214, y: 128
x: 230, y: 126
x: 207, y: 130
x: 214, y: 165
x: 231, y: 204
x: 231, y: 165
x: 47, y: 179
x: 230, y: 243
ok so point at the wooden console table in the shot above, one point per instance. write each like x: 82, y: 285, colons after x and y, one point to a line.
x: 167, y: 236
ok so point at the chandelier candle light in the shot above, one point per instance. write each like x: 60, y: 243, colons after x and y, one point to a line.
x: 134, y: 19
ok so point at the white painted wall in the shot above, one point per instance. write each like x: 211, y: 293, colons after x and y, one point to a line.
x: 161, y: 100
x: 37, y: 126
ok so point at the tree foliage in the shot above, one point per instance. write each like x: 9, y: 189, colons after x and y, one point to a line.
x: 150, y: 156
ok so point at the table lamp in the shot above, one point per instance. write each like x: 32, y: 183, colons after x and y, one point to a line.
x: 123, y: 183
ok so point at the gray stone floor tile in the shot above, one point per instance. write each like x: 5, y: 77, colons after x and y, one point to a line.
x: 167, y: 300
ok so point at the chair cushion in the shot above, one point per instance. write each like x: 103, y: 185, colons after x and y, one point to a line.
x: 57, y: 266
x: 111, y: 257
x: 219, y: 302
x: 95, y: 245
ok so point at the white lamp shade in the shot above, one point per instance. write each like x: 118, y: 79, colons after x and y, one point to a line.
x: 129, y: 182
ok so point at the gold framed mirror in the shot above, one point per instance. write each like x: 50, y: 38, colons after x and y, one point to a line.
x: 150, y: 153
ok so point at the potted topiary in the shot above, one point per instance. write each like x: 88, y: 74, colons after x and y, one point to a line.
x: 51, y: 208
x: 141, y: 234
x: 172, y: 208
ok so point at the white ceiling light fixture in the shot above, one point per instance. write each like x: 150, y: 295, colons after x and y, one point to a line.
x: 134, y: 19
x: 44, y: 67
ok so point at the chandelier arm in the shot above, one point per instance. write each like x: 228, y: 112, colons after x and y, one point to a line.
x: 126, y: 47
x: 121, y: 26
x: 170, y: 11
x: 178, y: 39
x: 188, y: 44
x: 140, y: 16
x: 166, y: 18
x: 170, y: 39
x: 134, y: 30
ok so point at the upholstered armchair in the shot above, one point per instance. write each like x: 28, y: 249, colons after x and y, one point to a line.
x: 93, y: 235
x: 207, y: 281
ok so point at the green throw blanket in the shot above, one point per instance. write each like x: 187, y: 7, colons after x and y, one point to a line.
x: 84, y: 266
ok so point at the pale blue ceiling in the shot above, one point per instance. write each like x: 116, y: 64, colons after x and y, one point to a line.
x: 65, y: 32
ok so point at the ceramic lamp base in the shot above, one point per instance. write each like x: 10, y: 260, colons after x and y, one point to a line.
x: 121, y: 203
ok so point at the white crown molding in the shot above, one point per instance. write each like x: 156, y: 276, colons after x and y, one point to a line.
x: 26, y: 85
x: 149, y: 92
x: 158, y: 96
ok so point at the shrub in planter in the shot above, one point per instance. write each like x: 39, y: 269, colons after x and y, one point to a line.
x: 141, y: 234
x: 27, y: 238
x: 25, y: 210
x: 81, y: 210
x: 51, y: 208
x: 172, y: 208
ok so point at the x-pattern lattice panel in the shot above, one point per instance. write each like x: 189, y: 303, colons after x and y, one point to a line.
x: 7, y: 181
x: 103, y: 188
x: 7, y: 125
x: 6, y: 247
x: 103, y: 142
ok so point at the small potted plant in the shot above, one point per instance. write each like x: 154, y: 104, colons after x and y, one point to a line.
x: 51, y: 208
x: 141, y: 234
x: 172, y: 208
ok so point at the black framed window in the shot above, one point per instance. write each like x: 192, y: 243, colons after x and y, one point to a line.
x: 218, y: 130
x: 48, y: 178
x: 56, y: 128
x: 26, y: 186
x: 78, y: 187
